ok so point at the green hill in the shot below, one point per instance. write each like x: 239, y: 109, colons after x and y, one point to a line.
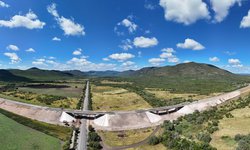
x: 41, y: 75
x: 187, y: 77
x: 7, y: 76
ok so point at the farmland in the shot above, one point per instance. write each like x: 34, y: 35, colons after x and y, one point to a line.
x: 17, y: 136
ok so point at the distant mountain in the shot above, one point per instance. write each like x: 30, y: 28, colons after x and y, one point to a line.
x: 7, y: 76
x: 41, y: 75
x: 191, y: 69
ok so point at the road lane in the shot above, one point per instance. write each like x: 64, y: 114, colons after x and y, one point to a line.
x: 83, y: 136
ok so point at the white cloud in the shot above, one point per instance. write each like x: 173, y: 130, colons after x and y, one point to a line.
x: 126, y: 44
x: 121, y: 56
x: 173, y: 60
x: 77, y: 52
x: 156, y: 61
x: 191, y: 44
x: 234, y: 61
x: 3, y: 4
x: 185, y: 11
x: 30, y: 50
x: 85, y: 65
x: 13, y: 57
x: 79, y: 61
x: 38, y: 63
x: 214, y: 59
x: 12, y: 47
x: 221, y: 8
x: 30, y: 21
x: 167, y: 53
x: 144, y: 42
x: 245, y: 22
x: 67, y: 25
x: 168, y: 50
x: 128, y: 64
x: 56, y: 39
x: 105, y: 59
x: 128, y: 23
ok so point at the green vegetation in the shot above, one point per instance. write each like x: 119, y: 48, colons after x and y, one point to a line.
x: 243, y: 141
x: 122, y: 138
x: 57, y: 131
x: 238, y: 123
x: 115, y: 98
x: 40, y: 99
x: 194, y: 130
x: 93, y: 139
x: 17, y: 136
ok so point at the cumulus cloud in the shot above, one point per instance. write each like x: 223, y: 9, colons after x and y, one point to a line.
x: 30, y: 50
x: 13, y: 57
x: 56, y: 39
x: 167, y: 53
x: 221, y: 8
x: 40, y: 61
x: 12, y: 47
x: 214, y: 59
x: 128, y: 64
x: 67, y: 25
x: 29, y: 21
x: 245, y: 22
x: 143, y: 42
x: 185, y: 11
x: 77, y: 52
x: 3, y: 4
x: 126, y: 44
x: 121, y: 56
x: 190, y: 44
x: 234, y: 61
x: 127, y: 23
x: 156, y: 61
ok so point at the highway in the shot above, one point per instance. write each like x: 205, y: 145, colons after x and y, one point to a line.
x: 83, y: 136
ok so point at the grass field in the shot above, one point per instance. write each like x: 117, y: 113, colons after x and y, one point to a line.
x: 110, y: 98
x: 114, y: 82
x: 166, y: 95
x: 74, y: 90
x: 33, y: 98
x: 122, y: 138
x: 15, y: 136
x: 229, y: 127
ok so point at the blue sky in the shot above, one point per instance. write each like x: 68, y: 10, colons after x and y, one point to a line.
x: 124, y: 34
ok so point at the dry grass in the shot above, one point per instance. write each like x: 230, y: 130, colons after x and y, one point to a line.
x: 240, y: 124
x: 166, y: 95
x: 149, y: 147
x: 123, y: 138
x: 110, y: 98
x: 114, y: 82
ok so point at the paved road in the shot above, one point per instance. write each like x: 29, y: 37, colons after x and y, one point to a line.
x: 82, y: 140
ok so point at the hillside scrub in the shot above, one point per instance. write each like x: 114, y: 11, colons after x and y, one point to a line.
x: 194, y: 130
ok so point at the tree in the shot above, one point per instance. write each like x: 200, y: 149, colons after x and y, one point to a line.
x: 153, y: 140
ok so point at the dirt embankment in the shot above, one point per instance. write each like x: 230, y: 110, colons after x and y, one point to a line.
x: 44, y: 114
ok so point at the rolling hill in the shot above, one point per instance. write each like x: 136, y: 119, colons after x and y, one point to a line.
x: 41, y: 75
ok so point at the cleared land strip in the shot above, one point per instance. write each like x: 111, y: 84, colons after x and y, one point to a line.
x: 118, y: 120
